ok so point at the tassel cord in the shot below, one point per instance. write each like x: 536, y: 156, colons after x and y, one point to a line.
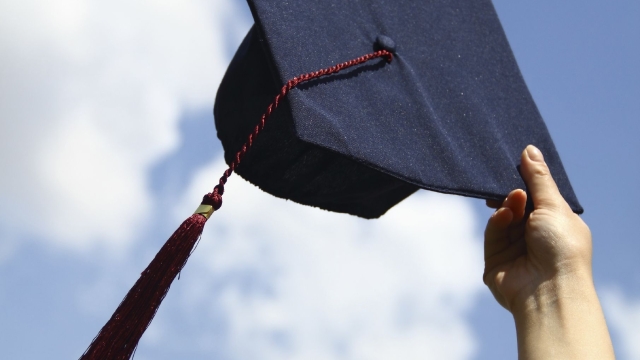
x: 119, y: 337
x: 218, y: 190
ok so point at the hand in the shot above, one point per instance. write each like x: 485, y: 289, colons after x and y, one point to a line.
x: 538, y: 266
x: 527, y: 255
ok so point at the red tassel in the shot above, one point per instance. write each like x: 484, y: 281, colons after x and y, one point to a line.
x: 119, y: 337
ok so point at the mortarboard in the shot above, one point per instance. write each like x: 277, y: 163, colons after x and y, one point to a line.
x: 373, y: 100
x: 451, y: 113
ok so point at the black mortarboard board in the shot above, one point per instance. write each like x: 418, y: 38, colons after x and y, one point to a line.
x: 451, y: 113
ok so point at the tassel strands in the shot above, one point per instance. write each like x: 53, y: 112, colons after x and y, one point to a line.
x: 119, y: 337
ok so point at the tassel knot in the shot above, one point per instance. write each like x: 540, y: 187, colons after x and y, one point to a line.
x: 214, y: 199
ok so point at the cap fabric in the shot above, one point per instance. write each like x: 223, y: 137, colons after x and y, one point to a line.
x: 451, y: 112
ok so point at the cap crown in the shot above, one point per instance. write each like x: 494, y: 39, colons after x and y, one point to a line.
x: 451, y: 113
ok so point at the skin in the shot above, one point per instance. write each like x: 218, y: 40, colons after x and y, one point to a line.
x: 538, y: 266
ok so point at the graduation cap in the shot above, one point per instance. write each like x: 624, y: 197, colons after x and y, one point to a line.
x: 351, y: 106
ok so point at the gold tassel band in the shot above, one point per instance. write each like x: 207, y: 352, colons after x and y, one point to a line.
x: 204, y: 210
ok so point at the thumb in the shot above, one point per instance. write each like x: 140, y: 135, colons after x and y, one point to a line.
x: 535, y: 173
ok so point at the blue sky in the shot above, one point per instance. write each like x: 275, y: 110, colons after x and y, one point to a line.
x: 107, y: 142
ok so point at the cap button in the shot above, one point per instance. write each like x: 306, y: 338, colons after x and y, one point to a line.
x: 386, y: 43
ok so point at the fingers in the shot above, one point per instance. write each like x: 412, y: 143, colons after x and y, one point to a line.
x: 504, y: 240
x: 499, y: 230
x: 496, y: 266
x: 516, y: 201
x: 512, y: 252
x: 536, y: 175
x: 496, y: 232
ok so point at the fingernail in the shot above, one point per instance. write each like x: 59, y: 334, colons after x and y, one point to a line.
x: 534, y: 154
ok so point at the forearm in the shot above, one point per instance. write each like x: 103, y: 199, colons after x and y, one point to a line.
x: 563, y: 320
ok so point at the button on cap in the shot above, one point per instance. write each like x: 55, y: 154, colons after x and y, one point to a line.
x: 386, y: 43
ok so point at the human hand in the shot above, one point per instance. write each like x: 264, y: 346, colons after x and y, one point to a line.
x: 529, y: 259
x: 538, y: 266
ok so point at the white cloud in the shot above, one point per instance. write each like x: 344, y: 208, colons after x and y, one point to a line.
x: 623, y: 318
x: 294, y: 282
x: 91, y: 93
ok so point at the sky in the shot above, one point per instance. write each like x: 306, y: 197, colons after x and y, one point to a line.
x: 107, y: 143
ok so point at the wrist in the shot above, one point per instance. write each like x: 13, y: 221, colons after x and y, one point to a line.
x: 554, y: 295
x: 563, y: 319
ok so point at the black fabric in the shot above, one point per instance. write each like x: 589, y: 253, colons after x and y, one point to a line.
x: 451, y: 113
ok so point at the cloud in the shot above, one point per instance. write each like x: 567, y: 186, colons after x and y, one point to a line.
x: 623, y: 317
x: 91, y: 97
x: 287, y: 281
